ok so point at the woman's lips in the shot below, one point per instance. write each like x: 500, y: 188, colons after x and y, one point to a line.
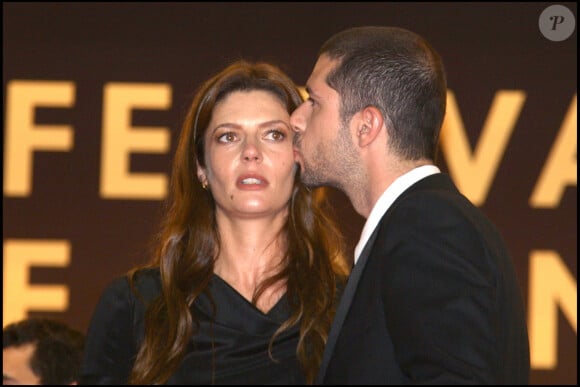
x: 251, y: 182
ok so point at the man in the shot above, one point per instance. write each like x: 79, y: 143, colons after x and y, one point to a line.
x: 433, y: 296
x: 39, y: 351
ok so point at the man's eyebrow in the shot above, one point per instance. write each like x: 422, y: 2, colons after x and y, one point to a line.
x: 309, y: 91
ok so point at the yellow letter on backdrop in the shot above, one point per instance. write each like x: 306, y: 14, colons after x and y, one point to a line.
x: 561, y: 168
x: 19, y: 296
x: 473, y: 172
x: 22, y: 137
x: 120, y: 138
x: 551, y: 286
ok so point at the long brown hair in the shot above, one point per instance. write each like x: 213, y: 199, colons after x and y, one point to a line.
x: 188, y: 242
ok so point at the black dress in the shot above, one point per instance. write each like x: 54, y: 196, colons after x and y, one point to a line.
x: 231, y: 348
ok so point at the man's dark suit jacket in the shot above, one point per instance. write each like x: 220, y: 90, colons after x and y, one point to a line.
x: 432, y: 299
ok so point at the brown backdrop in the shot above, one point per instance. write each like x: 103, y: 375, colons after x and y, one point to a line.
x: 68, y: 64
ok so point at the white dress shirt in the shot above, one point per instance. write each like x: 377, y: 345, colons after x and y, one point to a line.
x: 387, y: 198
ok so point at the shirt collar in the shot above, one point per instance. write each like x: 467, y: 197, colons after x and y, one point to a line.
x: 387, y: 198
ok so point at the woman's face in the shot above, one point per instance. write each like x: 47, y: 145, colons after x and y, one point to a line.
x: 249, y: 157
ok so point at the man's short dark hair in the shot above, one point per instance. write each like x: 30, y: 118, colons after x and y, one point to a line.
x: 399, y: 73
x: 58, y: 350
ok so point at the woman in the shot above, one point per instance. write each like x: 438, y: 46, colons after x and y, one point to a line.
x: 243, y: 286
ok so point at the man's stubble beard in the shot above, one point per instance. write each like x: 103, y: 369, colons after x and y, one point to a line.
x: 333, y: 164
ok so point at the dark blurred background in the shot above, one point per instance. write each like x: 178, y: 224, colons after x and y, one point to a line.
x: 66, y: 65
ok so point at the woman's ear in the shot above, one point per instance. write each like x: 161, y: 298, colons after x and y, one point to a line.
x: 201, y: 175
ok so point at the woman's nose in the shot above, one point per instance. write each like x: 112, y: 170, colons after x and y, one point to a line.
x: 251, y: 152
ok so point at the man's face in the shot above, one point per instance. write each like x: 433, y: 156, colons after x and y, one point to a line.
x: 16, y: 365
x: 323, y: 144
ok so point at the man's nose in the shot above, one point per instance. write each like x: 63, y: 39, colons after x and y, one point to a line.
x: 297, y: 120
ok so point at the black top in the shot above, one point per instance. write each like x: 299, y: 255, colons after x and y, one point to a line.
x: 432, y: 300
x: 231, y: 348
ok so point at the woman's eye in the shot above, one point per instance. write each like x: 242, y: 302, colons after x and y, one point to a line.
x: 226, y: 137
x: 275, y: 135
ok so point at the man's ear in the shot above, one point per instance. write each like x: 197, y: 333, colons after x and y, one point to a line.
x: 369, y: 125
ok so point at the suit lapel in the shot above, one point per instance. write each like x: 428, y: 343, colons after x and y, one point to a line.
x: 344, y: 306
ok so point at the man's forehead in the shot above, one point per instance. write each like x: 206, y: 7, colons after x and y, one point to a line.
x: 16, y: 365
x: 323, y: 66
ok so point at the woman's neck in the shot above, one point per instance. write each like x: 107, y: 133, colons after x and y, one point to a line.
x: 251, y: 251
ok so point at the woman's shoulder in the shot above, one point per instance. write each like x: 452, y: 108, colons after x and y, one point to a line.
x: 142, y: 283
x: 145, y: 283
x: 146, y: 276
